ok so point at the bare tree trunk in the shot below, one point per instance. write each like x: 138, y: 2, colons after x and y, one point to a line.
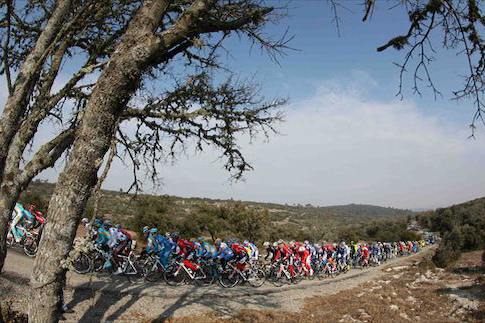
x: 7, y: 203
x: 114, y: 88
x: 17, y: 102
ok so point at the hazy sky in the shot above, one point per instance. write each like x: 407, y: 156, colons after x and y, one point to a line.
x: 347, y: 138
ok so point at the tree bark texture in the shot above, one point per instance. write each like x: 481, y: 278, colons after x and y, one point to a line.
x: 17, y: 102
x: 7, y: 203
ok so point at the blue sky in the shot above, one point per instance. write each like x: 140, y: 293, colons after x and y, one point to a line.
x: 321, y: 54
x: 347, y: 138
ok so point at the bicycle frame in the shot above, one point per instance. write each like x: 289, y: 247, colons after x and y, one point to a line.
x: 193, y: 277
x: 284, y: 271
x: 128, y: 264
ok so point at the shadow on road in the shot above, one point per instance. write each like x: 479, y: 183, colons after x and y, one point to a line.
x: 120, y: 294
x: 110, y: 293
x: 223, y: 305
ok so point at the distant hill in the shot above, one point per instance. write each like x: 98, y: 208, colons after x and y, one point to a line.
x: 366, y: 210
x: 124, y: 200
x: 294, y: 220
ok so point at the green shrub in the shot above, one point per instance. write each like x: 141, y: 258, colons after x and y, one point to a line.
x: 445, y: 255
x: 425, y: 265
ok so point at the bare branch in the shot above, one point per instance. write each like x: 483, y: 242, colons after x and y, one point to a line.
x: 46, y: 156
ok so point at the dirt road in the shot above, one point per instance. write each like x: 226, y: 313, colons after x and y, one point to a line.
x: 110, y: 299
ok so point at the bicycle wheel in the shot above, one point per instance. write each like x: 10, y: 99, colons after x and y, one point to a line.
x: 284, y: 277
x: 30, y: 247
x: 229, y: 278
x: 152, y: 273
x: 135, y: 271
x: 276, y: 281
x: 10, y: 240
x: 322, y: 274
x: 209, y: 275
x: 298, y: 278
x: 257, y: 278
x: 82, y: 264
x: 174, y: 276
x: 98, y: 262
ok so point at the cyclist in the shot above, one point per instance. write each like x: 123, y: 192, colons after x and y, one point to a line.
x: 166, y: 246
x: 252, y: 250
x: 345, y: 252
x: 365, y: 254
x: 270, y: 250
x: 152, y: 245
x: 208, y: 248
x: 22, y: 220
x: 241, y: 255
x: 223, y: 253
x: 120, y: 242
x: 306, y: 260
x: 103, y: 237
x: 186, y: 251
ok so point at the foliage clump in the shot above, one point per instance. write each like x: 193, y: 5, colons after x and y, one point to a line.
x: 462, y: 228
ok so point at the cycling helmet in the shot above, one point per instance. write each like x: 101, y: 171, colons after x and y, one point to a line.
x: 266, y: 244
x: 167, y: 234
x: 145, y: 229
x: 107, y: 223
x: 306, y: 242
x: 175, y: 235
x: 85, y: 220
x: 201, y: 238
x: 275, y: 244
x: 301, y: 249
x: 118, y: 226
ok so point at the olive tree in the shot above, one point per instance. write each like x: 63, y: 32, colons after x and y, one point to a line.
x: 158, y: 33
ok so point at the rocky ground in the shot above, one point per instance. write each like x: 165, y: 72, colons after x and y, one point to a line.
x: 415, y: 291
x: 406, y: 289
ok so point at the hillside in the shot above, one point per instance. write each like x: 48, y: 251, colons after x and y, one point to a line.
x: 462, y: 227
x: 295, y: 221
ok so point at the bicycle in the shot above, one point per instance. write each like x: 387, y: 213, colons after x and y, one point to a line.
x: 153, y: 269
x: 232, y: 276
x: 280, y: 274
x: 178, y: 274
x: 29, y: 241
